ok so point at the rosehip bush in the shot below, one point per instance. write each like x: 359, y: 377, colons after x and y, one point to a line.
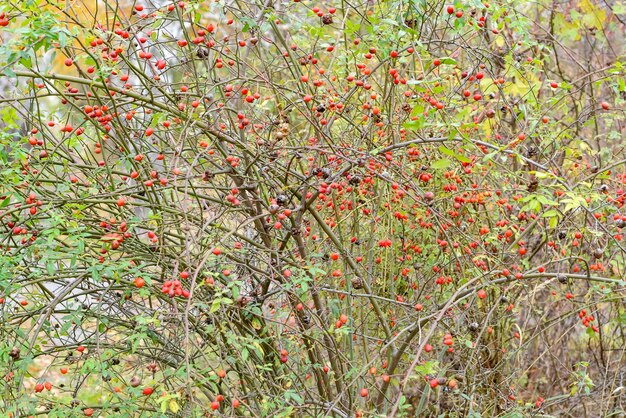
x: 213, y: 208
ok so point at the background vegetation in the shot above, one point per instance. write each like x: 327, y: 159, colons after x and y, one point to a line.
x: 315, y: 208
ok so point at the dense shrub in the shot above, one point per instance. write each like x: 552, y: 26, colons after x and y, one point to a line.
x: 327, y: 209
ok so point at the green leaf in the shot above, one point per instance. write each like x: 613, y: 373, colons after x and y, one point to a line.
x: 215, y: 306
x: 490, y: 156
x: 352, y: 27
x: 550, y: 214
x: 315, y: 271
x: 291, y: 395
x: 414, y: 124
x: 451, y: 153
x: 256, y: 323
x: 428, y: 367
x: 545, y: 201
x: 554, y: 222
x: 389, y: 22
x: 443, y: 163
x: 417, y: 110
x: 235, y: 291
x: 447, y: 61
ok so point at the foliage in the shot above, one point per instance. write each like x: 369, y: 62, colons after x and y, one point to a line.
x: 331, y: 209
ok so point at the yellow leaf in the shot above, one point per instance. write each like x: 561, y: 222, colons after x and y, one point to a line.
x: 566, y: 29
x: 173, y: 405
x: 586, y: 6
x: 524, y: 83
x: 487, y: 128
x: 592, y: 15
